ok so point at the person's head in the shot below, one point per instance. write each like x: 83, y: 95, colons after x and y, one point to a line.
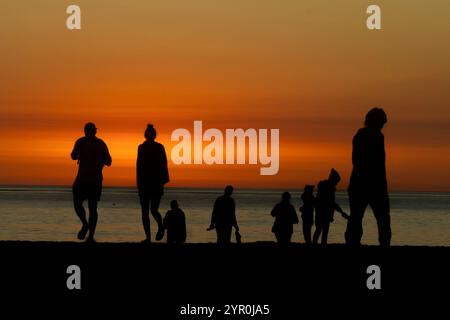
x: 150, y: 132
x: 174, y: 204
x: 334, y: 177
x: 309, y: 189
x: 286, y: 196
x: 229, y: 190
x: 376, y: 118
x: 90, y: 130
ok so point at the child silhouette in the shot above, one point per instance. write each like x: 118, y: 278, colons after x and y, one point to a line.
x: 175, y: 223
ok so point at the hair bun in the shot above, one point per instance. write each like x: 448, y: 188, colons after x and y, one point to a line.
x: 150, y: 126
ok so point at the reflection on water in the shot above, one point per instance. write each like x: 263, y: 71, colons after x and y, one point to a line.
x: 46, y: 213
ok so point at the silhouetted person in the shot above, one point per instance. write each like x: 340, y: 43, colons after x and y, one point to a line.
x: 285, y: 218
x: 307, y: 210
x: 326, y: 205
x: 152, y: 174
x: 92, y: 155
x: 368, y: 184
x: 175, y: 224
x: 223, y: 217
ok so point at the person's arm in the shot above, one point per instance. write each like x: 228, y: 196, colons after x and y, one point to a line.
x: 75, y: 155
x: 165, y: 169
x: 356, y: 150
x: 339, y: 209
x: 212, y: 225
x: 235, y: 224
x: 183, y: 226
x: 139, y: 168
x: 383, y: 157
x: 274, y: 211
x: 107, y: 161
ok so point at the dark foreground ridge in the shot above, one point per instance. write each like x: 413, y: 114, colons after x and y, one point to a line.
x: 168, y: 277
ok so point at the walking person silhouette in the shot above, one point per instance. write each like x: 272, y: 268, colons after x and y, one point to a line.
x: 223, y: 217
x: 326, y: 205
x: 151, y: 176
x: 91, y: 154
x: 307, y: 210
x: 368, y: 183
x: 285, y: 218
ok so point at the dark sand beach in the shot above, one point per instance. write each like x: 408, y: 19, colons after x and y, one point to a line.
x: 169, y: 277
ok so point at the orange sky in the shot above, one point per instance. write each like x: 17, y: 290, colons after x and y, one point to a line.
x: 309, y: 68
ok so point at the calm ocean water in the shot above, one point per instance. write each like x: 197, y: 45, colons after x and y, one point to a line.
x: 46, y: 214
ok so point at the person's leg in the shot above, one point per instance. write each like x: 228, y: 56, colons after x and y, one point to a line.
x: 145, y: 210
x: 81, y: 213
x: 93, y: 216
x: 381, y: 210
x: 220, y: 237
x: 358, y: 205
x: 170, y: 239
x: 154, y: 209
x: 228, y: 234
x: 223, y: 235
x: 307, y: 232
x: 317, y: 232
x: 78, y: 200
x: 278, y: 237
x: 325, y: 228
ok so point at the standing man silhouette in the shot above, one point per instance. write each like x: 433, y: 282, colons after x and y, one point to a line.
x: 223, y: 217
x: 92, y: 155
x: 368, y: 183
x: 151, y: 176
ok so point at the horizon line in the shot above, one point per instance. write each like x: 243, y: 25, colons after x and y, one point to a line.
x: 205, y: 187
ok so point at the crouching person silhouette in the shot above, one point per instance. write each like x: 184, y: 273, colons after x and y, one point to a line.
x: 326, y: 205
x: 92, y: 155
x: 151, y: 175
x: 223, y: 217
x: 285, y: 218
x: 175, y: 224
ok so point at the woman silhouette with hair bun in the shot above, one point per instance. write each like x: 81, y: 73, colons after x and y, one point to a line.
x: 151, y: 176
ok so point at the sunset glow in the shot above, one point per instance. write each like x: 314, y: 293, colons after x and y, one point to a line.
x: 311, y: 70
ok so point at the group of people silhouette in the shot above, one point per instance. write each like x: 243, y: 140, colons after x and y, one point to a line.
x: 367, y: 187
